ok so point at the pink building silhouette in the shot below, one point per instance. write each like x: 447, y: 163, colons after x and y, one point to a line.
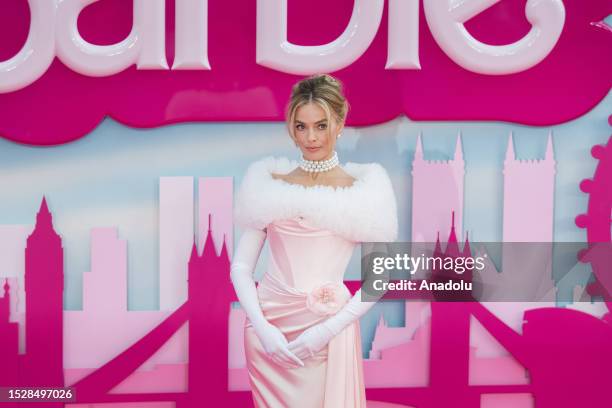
x: 209, y: 287
x: 437, y: 189
x: 529, y: 188
x: 176, y: 230
x: 9, y: 341
x: 105, y: 286
x: 452, y: 250
x: 216, y: 196
x: 13, y: 239
x: 44, y: 287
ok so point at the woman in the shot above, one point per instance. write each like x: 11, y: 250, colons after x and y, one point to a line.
x: 302, y: 341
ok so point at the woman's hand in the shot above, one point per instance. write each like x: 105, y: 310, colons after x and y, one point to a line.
x: 311, y: 341
x: 276, y: 346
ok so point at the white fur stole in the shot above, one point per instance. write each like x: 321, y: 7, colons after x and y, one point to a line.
x: 365, y: 211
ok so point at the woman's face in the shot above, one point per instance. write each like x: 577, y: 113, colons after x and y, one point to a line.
x: 315, y: 137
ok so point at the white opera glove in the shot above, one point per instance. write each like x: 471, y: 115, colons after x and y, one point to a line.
x: 276, y: 345
x: 315, y: 338
x: 241, y: 273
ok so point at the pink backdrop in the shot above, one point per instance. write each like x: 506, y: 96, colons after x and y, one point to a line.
x: 67, y: 105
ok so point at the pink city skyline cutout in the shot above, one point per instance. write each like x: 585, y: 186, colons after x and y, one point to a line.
x: 110, y: 354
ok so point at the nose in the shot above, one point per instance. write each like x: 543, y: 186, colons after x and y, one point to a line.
x: 312, y: 135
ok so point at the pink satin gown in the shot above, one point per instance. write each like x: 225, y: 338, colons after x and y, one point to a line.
x: 302, y: 260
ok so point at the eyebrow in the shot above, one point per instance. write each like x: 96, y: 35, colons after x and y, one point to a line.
x: 319, y: 121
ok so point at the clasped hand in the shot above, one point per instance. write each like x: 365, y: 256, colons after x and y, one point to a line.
x: 290, y: 354
x: 311, y: 341
x: 276, y: 346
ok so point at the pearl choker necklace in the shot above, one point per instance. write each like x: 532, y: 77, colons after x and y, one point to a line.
x: 316, y: 166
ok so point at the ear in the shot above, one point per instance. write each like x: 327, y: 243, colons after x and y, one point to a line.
x: 340, y: 127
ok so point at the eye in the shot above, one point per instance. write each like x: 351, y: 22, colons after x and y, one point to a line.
x: 323, y: 126
x: 299, y: 126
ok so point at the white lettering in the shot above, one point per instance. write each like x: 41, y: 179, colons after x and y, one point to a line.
x: 36, y: 55
x: 403, y: 45
x: 274, y: 51
x: 53, y: 30
x: 145, y: 45
x: 446, y: 20
x: 191, y: 37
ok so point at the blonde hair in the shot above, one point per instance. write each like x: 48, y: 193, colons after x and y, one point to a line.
x: 322, y: 89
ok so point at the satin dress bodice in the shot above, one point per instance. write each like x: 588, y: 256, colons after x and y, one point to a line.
x: 303, y: 260
x: 303, y: 256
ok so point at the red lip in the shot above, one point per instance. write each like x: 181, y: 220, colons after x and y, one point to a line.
x: 313, y: 148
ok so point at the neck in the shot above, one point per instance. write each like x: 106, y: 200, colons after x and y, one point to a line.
x: 328, y: 157
x: 320, y: 165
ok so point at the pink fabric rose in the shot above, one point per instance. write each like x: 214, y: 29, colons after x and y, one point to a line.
x: 327, y: 299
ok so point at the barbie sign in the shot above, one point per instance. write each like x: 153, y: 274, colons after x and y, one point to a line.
x: 249, y: 45
x: 54, y: 30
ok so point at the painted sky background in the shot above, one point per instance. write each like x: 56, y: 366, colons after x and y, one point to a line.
x: 110, y: 178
